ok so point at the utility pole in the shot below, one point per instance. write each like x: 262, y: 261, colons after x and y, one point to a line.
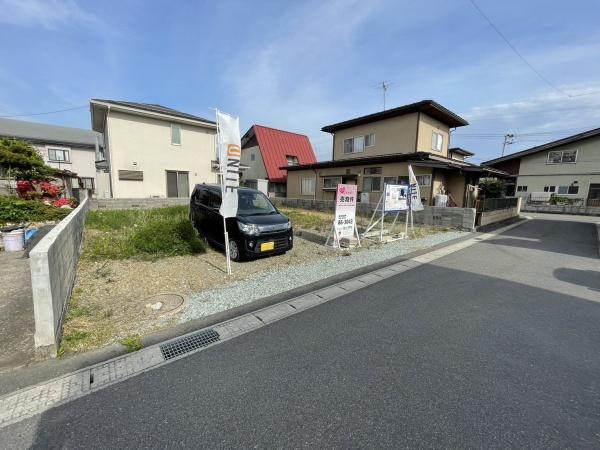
x: 508, y: 139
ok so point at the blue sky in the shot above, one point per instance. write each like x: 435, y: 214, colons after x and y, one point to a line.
x: 302, y: 65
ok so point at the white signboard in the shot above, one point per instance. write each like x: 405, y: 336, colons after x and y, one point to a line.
x: 396, y: 197
x: 229, y: 147
x: 345, y: 210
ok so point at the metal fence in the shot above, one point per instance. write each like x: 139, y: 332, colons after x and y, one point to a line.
x: 494, y: 204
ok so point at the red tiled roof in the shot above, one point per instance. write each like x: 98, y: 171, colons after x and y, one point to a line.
x: 275, y: 145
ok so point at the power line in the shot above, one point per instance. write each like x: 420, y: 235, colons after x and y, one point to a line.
x: 46, y: 112
x: 514, y: 49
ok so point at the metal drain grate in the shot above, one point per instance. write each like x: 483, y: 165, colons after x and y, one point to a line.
x: 188, y: 343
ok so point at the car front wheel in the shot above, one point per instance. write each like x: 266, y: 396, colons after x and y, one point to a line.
x: 234, y: 250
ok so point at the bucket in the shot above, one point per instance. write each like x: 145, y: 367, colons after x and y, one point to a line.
x: 14, y: 241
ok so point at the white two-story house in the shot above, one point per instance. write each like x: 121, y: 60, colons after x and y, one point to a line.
x: 151, y: 150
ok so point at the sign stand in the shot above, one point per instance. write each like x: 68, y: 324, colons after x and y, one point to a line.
x: 381, y: 207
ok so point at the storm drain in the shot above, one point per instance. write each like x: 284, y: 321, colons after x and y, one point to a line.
x: 188, y: 343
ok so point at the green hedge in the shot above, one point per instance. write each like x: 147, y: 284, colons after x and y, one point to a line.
x: 15, y: 210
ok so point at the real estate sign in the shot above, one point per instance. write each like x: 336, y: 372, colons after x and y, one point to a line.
x: 396, y: 197
x: 229, y: 147
x: 345, y: 210
x: 415, y: 192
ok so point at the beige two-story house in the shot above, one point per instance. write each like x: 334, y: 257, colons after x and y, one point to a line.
x: 151, y: 150
x: 372, y: 150
x: 568, y: 167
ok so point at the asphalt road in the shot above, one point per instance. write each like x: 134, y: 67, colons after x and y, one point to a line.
x: 494, y: 346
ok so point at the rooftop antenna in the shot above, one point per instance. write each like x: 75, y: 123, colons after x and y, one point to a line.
x: 384, y: 87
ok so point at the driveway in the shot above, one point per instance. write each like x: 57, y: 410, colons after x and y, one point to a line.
x: 494, y: 346
x: 17, y: 325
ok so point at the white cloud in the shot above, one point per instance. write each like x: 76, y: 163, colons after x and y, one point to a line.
x: 284, y: 81
x: 49, y: 14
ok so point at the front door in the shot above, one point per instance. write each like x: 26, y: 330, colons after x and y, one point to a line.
x: 594, y: 195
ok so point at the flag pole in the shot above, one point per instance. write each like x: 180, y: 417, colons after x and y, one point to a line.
x: 222, y: 172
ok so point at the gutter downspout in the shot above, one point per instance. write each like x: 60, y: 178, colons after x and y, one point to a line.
x: 108, y: 153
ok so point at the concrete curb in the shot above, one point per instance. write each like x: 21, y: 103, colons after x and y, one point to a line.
x: 39, y: 372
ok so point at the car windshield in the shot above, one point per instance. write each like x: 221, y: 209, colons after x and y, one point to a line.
x: 254, y: 203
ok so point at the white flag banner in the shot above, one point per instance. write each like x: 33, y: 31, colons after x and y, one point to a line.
x: 229, y: 147
x: 415, y: 192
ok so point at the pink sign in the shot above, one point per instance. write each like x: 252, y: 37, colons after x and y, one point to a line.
x: 345, y: 210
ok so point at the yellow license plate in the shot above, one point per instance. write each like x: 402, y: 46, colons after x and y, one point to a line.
x: 266, y: 246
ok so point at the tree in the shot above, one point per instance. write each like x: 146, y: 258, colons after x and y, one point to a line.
x: 22, y: 162
x: 493, y: 188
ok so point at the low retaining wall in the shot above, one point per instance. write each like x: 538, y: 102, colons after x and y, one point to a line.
x: 53, y: 263
x: 563, y: 209
x: 137, y: 203
x: 461, y: 218
x: 489, y: 217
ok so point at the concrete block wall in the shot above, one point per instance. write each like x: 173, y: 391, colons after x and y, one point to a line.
x: 53, y: 263
x: 461, y: 218
x: 563, y: 209
x: 489, y: 217
x: 137, y: 203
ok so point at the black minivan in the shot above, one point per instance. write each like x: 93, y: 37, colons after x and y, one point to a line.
x: 259, y: 229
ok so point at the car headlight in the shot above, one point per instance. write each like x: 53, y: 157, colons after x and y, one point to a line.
x: 248, y: 228
x: 288, y: 225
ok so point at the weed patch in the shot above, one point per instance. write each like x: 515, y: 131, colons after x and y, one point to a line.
x: 145, y: 234
x: 132, y: 343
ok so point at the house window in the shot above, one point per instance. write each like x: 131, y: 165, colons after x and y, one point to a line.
x: 549, y: 188
x: 370, y: 140
x: 521, y: 188
x: 308, y: 186
x: 390, y: 180
x: 437, y: 141
x: 371, y: 184
x: 58, y: 155
x: 403, y: 180
x: 178, y: 184
x: 354, y: 145
x: 252, y: 157
x: 562, y: 157
x: 291, y: 160
x: 88, y: 183
x: 175, y: 134
x: 569, y: 190
x: 424, y: 180
x: 372, y: 170
x: 331, y: 182
x: 569, y: 156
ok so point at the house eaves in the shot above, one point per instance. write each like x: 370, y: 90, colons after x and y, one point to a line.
x: 429, y: 107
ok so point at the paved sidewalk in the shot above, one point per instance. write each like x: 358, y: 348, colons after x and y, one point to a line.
x: 16, y: 312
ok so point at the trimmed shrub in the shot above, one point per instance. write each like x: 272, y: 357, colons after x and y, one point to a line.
x: 14, y: 210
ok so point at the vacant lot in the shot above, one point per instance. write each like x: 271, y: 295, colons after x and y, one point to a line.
x: 130, y: 256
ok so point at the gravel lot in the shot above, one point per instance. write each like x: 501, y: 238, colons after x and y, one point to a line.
x: 282, y: 279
